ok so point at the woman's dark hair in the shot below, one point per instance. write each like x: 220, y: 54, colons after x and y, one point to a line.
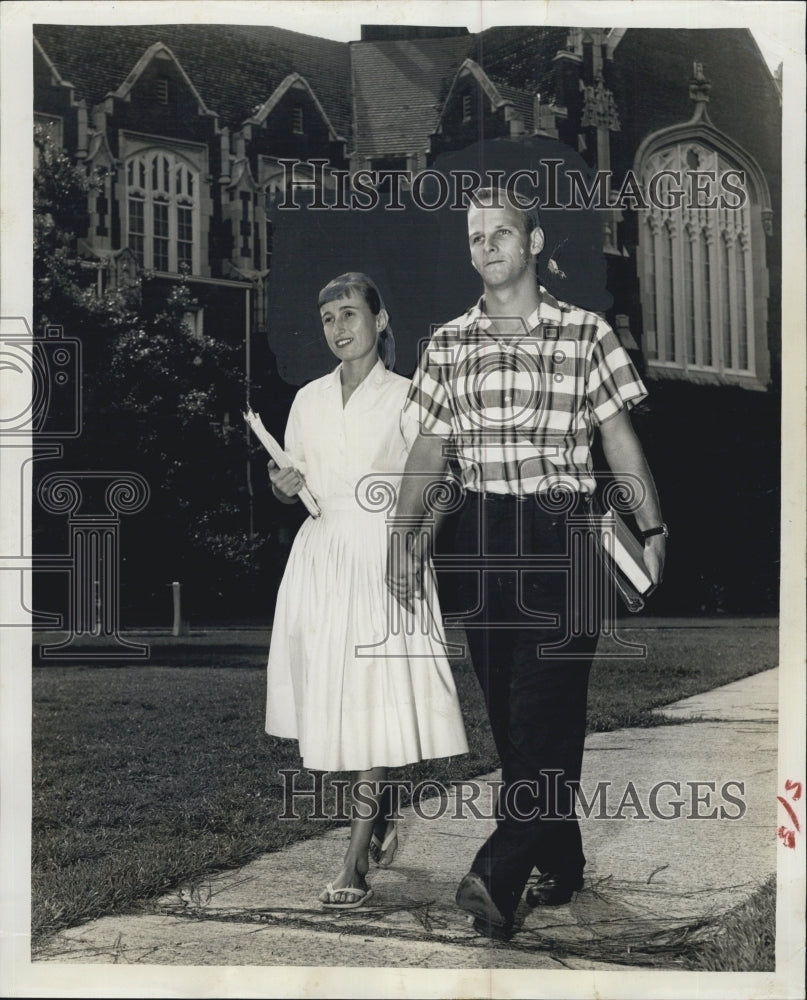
x: 356, y: 283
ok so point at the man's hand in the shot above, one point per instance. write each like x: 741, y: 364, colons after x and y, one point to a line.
x: 404, y: 569
x: 286, y: 483
x: 406, y: 551
x: 654, y: 551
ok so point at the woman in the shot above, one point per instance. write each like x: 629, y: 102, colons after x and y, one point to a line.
x: 358, y: 694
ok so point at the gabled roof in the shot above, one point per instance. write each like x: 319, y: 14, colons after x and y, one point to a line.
x: 391, y: 92
x: 652, y: 67
x: 398, y: 89
x: 234, y: 68
x: 498, y: 94
x: 158, y: 49
x: 292, y: 80
x: 56, y: 75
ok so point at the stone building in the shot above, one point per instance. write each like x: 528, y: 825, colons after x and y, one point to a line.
x: 189, y: 126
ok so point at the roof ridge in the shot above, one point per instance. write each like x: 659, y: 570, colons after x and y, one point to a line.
x: 234, y: 67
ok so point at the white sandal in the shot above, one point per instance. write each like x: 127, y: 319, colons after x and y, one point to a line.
x: 326, y: 897
x: 379, y: 850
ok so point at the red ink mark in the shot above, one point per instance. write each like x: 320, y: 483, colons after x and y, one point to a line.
x: 796, y: 786
x: 790, y: 812
x: 788, y: 837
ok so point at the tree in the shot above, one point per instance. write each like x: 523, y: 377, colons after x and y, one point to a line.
x: 63, y: 292
x: 160, y: 399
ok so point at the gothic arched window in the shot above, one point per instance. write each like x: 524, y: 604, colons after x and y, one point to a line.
x: 162, y: 199
x: 702, y: 266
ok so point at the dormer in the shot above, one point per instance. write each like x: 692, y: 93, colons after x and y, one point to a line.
x: 159, y: 98
x: 477, y: 105
x: 291, y: 122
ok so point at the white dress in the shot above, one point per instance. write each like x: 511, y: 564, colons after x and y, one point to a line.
x: 353, y: 689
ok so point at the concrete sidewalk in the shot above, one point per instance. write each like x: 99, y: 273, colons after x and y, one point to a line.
x: 681, y: 827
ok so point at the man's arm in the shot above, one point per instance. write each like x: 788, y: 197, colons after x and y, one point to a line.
x: 426, y: 460
x: 625, y: 457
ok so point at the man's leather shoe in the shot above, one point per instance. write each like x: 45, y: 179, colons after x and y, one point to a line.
x: 496, y: 932
x: 554, y: 889
x: 473, y: 897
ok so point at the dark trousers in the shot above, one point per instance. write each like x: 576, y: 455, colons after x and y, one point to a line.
x: 536, y: 700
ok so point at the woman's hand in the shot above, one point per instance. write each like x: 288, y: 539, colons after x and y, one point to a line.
x: 286, y: 483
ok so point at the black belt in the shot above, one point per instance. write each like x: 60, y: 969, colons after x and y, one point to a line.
x: 516, y: 497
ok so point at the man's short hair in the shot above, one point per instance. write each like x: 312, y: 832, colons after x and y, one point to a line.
x: 497, y: 197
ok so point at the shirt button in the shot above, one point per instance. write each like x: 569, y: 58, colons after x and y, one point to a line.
x: 558, y: 357
x: 558, y: 378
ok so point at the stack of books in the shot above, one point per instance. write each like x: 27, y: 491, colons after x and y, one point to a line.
x: 623, y: 554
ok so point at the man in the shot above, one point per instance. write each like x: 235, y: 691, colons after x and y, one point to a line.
x: 513, y: 391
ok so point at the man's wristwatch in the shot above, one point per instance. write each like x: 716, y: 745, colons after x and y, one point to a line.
x: 660, y: 529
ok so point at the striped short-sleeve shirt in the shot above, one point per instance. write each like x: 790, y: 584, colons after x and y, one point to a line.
x: 520, y: 413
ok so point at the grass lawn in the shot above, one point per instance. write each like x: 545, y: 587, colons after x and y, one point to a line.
x: 747, y: 939
x: 145, y: 776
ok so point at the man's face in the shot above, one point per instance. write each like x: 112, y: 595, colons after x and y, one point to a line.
x: 501, y: 250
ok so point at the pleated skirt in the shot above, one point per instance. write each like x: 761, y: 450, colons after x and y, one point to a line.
x: 355, y: 679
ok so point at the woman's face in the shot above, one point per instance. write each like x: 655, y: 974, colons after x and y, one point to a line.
x: 351, y: 330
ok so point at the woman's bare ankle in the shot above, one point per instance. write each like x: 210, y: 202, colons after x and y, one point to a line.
x: 350, y: 877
